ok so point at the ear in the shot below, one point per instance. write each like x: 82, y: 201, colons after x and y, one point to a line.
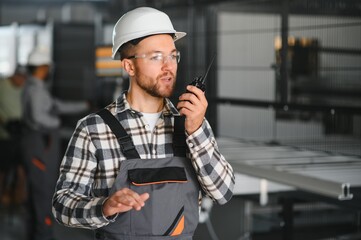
x: 128, y: 66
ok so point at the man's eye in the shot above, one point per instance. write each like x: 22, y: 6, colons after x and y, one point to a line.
x: 157, y: 57
x: 173, y: 56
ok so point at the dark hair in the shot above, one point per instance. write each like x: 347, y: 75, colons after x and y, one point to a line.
x: 125, y: 50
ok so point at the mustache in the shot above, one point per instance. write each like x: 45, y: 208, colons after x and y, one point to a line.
x: 167, y: 74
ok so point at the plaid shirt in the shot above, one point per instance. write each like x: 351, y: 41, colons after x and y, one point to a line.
x: 93, y: 158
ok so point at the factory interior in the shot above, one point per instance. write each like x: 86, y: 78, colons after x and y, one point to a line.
x: 287, y: 117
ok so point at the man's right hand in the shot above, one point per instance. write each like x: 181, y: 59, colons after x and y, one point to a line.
x: 124, y: 200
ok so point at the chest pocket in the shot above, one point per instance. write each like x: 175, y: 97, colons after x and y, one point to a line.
x: 149, y: 176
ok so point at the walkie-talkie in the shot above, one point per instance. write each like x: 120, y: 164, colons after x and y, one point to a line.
x: 199, y: 81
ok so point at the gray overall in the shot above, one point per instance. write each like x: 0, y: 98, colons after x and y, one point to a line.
x: 172, y: 210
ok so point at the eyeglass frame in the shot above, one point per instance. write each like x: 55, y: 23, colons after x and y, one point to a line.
x: 168, y: 57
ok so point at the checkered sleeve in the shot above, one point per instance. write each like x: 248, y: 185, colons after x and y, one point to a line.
x: 74, y: 203
x: 214, y: 173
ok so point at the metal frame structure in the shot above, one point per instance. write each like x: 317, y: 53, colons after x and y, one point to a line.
x: 338, y: 190
x: 305, y: 170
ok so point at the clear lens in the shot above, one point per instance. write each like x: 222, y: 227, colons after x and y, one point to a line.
x: 160, y: 57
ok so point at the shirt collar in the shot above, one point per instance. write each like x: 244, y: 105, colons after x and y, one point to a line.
x: 121, y: 105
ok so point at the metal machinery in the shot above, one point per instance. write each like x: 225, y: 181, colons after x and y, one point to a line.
x: 293, y: 114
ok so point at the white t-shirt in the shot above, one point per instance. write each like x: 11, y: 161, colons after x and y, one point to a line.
x: 152, y: 118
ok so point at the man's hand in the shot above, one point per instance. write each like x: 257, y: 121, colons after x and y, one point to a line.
x: 123, y: 201
x: 193, y: 105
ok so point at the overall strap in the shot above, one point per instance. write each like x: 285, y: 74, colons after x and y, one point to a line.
x: 179, y: 137
x: 124, y: 139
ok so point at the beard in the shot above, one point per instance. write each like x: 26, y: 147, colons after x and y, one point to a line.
x: 157, y: 89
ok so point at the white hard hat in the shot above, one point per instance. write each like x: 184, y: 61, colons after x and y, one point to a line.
x: 39, y: 56
x: 141, y: 22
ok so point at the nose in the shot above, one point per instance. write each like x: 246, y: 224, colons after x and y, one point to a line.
x: 167, y: 61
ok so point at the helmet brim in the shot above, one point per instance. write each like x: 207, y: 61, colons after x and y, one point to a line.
x: 177, y: 36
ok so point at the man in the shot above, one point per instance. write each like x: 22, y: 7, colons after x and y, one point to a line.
x: 133, y: 181
x: 41, y: 142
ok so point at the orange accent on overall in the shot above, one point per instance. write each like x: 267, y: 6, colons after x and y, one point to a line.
x: 179, y: 228
x: 39, y: 164
x: 48, y: 221
x: 160, y: 182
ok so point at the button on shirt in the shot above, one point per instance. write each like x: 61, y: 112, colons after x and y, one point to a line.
x: 93, y: 158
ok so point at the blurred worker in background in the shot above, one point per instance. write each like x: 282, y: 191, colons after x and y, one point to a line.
x: 12, y: 175
x: 144, y: 182
x: 41, y: 142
